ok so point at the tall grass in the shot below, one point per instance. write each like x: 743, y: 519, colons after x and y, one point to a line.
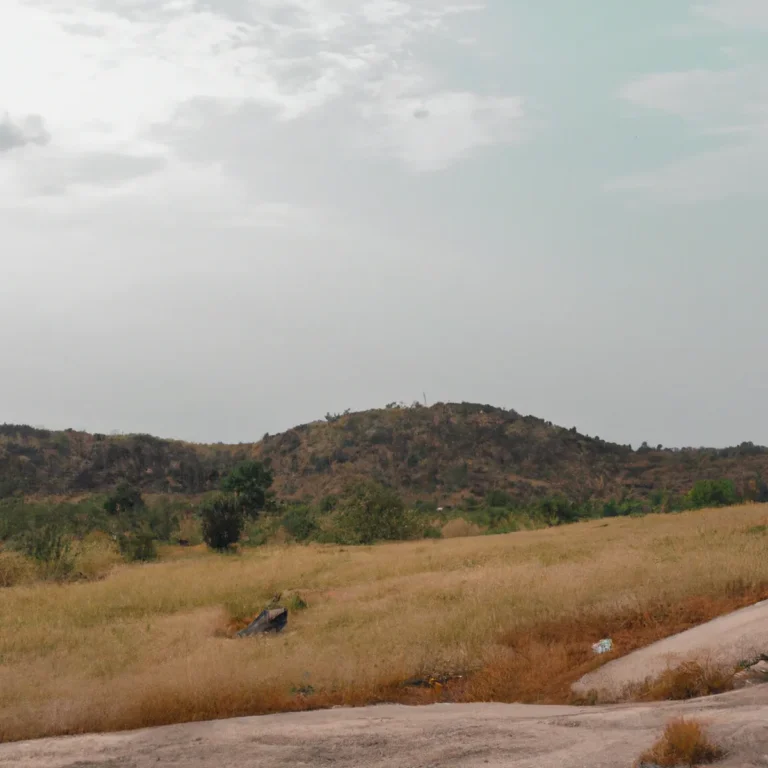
x: 505, y: 617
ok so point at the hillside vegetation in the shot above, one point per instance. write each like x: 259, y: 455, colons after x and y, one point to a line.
x: 446, y: 453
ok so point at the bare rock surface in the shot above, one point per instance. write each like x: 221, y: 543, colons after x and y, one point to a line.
x: 438, y: 736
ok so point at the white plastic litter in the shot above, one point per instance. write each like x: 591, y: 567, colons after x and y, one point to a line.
x: 604, y: 646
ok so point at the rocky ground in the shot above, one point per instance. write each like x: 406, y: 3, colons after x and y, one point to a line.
x: 439, y: 736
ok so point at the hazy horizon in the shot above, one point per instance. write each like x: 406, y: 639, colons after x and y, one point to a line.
x: 224, y: 219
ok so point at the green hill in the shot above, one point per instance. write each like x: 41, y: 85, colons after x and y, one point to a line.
x: 444, y: 452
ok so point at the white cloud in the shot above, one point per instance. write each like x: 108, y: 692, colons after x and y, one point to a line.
x: 728, y: 105
x: 730, y: 172
x: 104, y: 73
x: 429, y: 129
x: 735, y: 13
x: 708, y: 98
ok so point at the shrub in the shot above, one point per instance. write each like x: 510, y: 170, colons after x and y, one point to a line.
x: 138, y: 545
x: 222, y: 522
x: 558, y: 510
x: 712, y: 493
x: 162, y: 519
x: 48, y: 542
x: 370, y: 512
x: 300, y: 523
x: 498, y: 498
x: 124, y: 500
x: 13, y: 519
x: 684, y: 743
x: 690, y: 680
x: 328, y: 503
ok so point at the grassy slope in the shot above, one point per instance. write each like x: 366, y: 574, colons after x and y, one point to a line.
x: 445, y: 452
x: 514, y: 614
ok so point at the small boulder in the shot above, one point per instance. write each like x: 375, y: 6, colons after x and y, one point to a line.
x: 269, y: 620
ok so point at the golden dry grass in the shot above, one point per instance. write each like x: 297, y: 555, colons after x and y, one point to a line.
x: 15, y: 569
x: 513, y: 615
x: 460, y: 528
x: 684, y: 743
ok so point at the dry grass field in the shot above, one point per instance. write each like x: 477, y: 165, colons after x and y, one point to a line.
x: 506, y: 618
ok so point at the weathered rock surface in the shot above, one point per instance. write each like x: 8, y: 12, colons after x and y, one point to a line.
x: 439, y: 736
x: 269, y: 620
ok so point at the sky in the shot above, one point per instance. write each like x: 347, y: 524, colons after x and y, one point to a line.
x: 223, y: 218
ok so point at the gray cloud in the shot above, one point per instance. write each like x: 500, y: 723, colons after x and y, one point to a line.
x: 107, y: 168
x: 30, y: 130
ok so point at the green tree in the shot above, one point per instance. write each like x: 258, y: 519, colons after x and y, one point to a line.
x: 162, y: 519
x: 132, y: 523
x: 222, y: 522
x: 369, y: 512
x: 712, y: 493
x: 124, y: 500
x: 250, y: 482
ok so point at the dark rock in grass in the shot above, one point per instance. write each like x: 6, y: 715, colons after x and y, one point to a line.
x: 269, y: 620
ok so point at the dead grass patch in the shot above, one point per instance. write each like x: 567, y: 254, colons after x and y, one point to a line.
x: 689, y: 680
x: 15, y: 569
x: 538, y: 665
x: 684, y: 743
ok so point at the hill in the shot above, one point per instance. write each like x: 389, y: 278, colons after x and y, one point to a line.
x: 444, y: 452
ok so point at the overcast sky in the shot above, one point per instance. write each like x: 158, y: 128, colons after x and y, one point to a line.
x: 224, y: 218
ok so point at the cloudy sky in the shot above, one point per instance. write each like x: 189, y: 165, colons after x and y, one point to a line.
x: 224, y: 218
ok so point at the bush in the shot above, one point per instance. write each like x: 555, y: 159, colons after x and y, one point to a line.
x: 162, y: 519
x: 328, y: 503
x: 690, y: 680
x: 13, y: 519
x: 125, y: 500
x: 498, y: 499
x: 138, y: 545
x: 712, y: 493
x: 370, y: 512
x: 48, y: 542
x: 685, y: 742
x: 300, y: 523
x: 558, y: 510
x: 222, y: 522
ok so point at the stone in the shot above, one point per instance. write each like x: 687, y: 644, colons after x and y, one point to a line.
x: 269, y: 620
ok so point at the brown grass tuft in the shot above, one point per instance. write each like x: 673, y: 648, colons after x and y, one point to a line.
x: 684, y: 743
x: 690, y: 680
